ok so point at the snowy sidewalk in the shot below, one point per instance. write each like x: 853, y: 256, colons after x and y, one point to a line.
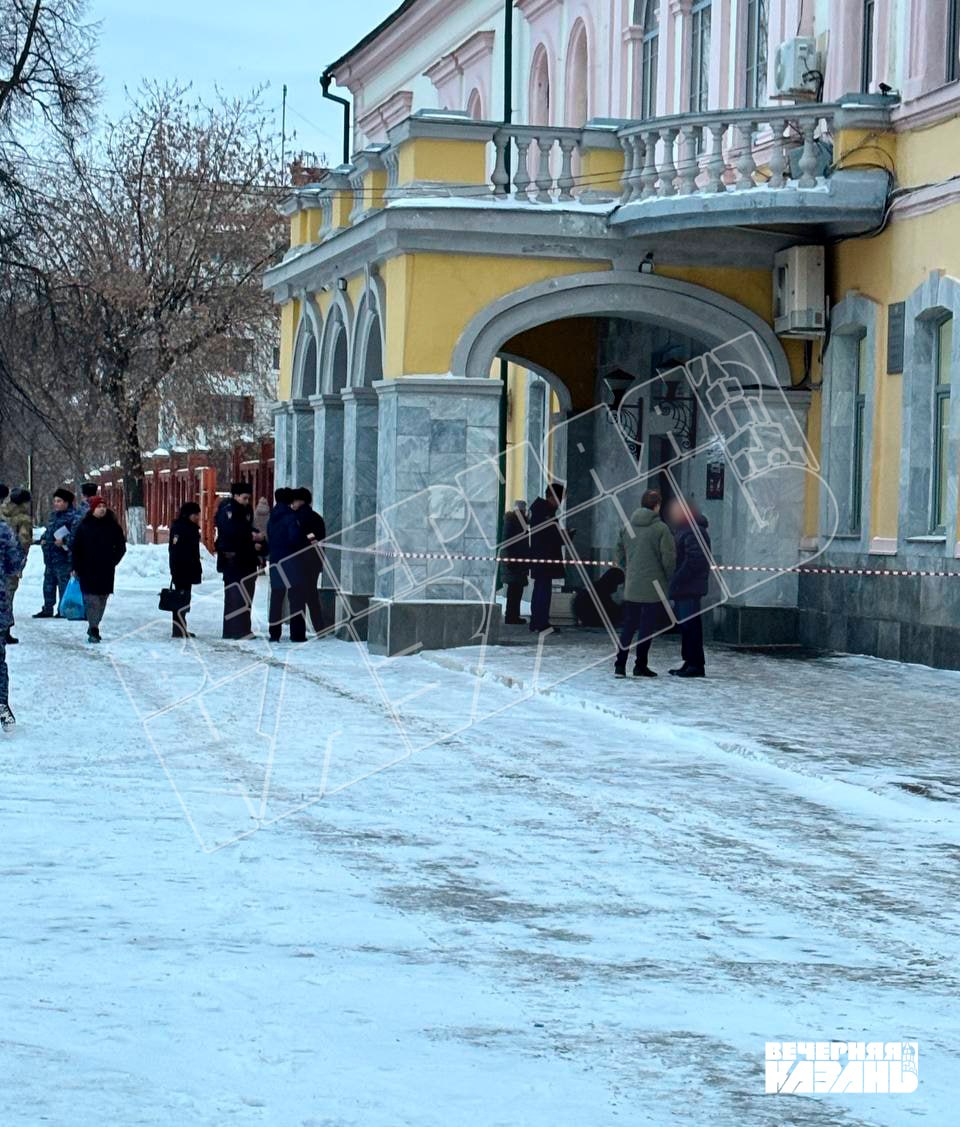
x: 526, y: 897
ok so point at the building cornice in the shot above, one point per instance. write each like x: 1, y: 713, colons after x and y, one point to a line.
x: 388, y: 113
x: 534, y: 9
x: 931, y: 108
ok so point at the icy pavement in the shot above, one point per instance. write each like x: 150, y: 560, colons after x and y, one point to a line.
x: 592, y: 904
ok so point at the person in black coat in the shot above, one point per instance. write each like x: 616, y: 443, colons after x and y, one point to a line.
x: 98, y: 546
x: 546, y: 545
x: 239, y: 548
x: 689, y: 585
x: 288, y: 567
x: 514, y: 576
x: 186, y: 570
x: 315, y: 531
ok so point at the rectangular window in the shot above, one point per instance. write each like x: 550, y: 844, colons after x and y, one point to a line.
x: 859, y: 437
x: 648, y: 97
x: 757, y: 33
x: 700, y: 16
x: 953, y: 40
x: 941, y: 422
x: 866, y: 48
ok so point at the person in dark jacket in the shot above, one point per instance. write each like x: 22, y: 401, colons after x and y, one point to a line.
x: 12, y: 558
x: 98, y: 546
x: 315, y: 530
x: 55, y: 545
x: 515, y: 576
x: 287, y: 550
x: 186, y: 571
x: 690, y: 584
x: 239, y: 548
x: 546, y: 547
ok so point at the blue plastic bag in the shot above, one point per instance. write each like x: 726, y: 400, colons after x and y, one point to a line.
x: 71, y: 605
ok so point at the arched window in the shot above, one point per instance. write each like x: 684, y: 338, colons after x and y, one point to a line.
x: 647, y: 17
x: 540, y: 88
x: 307, y: 373
x: 700, y: 26
x: 757, y: 35
x: 578, y: 77
x: 475, y: 106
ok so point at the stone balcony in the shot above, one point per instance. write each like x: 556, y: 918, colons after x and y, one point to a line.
x: 788, y: 172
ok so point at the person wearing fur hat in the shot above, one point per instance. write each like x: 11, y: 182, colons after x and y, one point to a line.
x: 239, y: 548
x: 56, y: 544
x: 186, y: 571
x: 98, y: 546
x: 15, y: 512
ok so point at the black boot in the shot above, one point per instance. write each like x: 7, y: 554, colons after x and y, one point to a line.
x: 47, y: 612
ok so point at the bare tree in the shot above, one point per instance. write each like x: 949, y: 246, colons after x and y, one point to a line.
x: 153, y: 255
x: 47, y: 84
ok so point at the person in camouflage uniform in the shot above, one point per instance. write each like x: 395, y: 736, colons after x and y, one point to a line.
x: 11, y: 563
x: 15, y: 512
x: 56, y: 552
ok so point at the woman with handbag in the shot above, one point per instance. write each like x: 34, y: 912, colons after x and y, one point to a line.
x: 98, y: 546
x: 186, y: 570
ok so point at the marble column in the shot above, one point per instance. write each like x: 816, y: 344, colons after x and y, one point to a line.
x: 438, y: 495
x: 283, y: 445
x: 301, y: 426
x: 328, y: 467
x: 359, y: 507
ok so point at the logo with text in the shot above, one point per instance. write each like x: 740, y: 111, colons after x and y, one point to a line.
x: 849, y: 1067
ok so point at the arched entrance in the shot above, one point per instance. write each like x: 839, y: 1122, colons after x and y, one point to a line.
x: 705, y: 382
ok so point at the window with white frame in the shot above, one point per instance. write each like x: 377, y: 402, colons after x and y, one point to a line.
x: 700, y: 21
x: 943, y: 347
x: 866, y: 45
x: 647, y: 16
x: 953, y: 40
x: 757, y: 35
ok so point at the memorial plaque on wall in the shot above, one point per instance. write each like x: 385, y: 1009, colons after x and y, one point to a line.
x: 716, y: 479
x: 896, y: 326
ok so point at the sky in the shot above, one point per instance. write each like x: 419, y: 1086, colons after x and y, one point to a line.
x: 236, y: 45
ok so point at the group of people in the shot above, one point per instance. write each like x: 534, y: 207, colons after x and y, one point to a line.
x: 663, y: 566
x: 291, y: 544
x: 84, y: 542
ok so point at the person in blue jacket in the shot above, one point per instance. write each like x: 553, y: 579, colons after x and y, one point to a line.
x: 57, y: 560
x: 289, y: 567
x: 690, y: 584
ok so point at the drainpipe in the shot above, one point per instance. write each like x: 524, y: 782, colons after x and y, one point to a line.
x: 504, y: 366
x: 325, y: 79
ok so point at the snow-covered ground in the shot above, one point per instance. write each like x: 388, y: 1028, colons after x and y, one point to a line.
x: 298, y: 886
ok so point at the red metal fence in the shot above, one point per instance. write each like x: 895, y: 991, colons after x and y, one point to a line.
x: 203, y: 476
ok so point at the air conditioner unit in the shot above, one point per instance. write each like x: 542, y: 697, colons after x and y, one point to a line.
x: 797, y: 59
x: 799, y: 293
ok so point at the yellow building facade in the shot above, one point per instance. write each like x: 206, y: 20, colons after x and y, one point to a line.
x: 749, y: 307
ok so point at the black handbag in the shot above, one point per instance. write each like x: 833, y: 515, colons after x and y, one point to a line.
x: 173, y: 601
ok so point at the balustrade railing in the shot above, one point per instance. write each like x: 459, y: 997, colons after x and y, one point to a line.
x: 535, y: 163
x: 704, y: 154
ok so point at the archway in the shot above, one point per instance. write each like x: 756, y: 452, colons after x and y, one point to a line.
x: 700, y: 379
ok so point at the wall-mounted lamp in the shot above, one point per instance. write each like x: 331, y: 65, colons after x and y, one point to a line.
x: 627, y: 418
x: 647, y: 266
x: 342, y: 285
